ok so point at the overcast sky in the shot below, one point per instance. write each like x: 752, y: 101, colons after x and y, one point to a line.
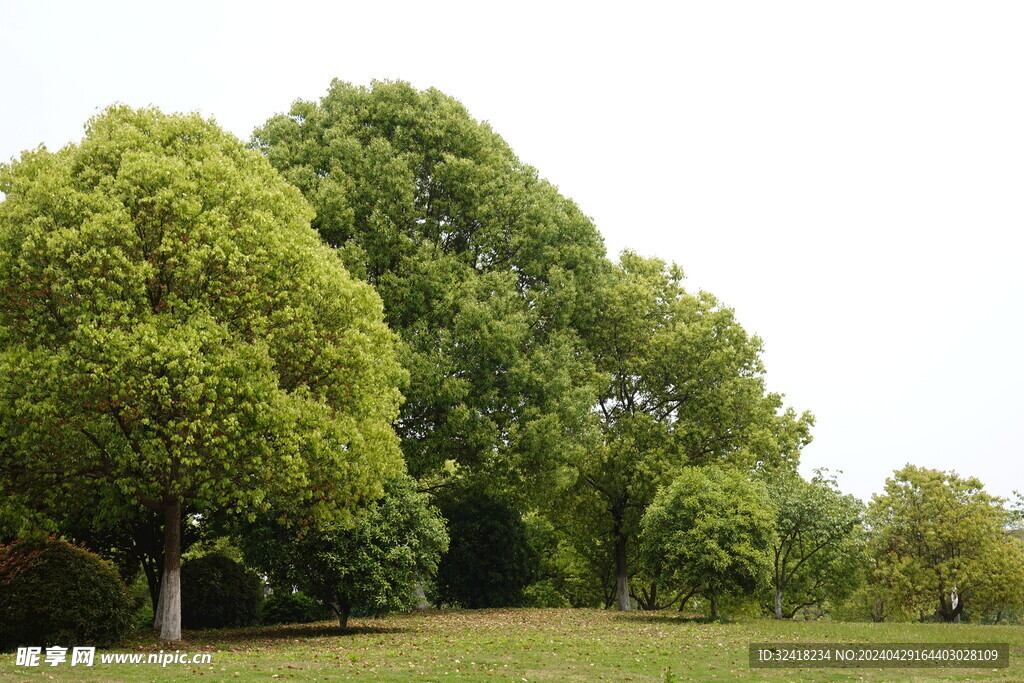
x: 848, y: 176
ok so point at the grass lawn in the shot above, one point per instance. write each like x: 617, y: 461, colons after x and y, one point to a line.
x: 527, y: 645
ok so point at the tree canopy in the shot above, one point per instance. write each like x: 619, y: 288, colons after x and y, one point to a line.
x: 941, y: 545
x: 172, y: 328
x: 484, y: 269
x: 709, y: 531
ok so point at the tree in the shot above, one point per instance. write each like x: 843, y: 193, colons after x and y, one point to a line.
x: 709, y: 531
x: 171, y: 328
x: 940, y: 544
x: 484, y: 269
x: 374, y: 564
x: 817, y: 551
x: 683, y: 387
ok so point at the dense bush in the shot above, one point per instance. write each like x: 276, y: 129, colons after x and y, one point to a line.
x: 217, y: 592
x: 54, y: 593
x: 489, y: 561
x: 292, y: 608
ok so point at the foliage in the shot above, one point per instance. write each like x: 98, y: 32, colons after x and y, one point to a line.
x: 684, y: 387
x: 484, y: 269
x: 218, y: 592
x: 291, y: 608
x: 54, y: 592
x: 172, y: 329
x: 818, y: 553
x: 374, y: 564
x: 936, y: 533
x: 489, y: 561
x: 709, y: 531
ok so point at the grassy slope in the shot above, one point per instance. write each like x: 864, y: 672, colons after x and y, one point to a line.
x: 530, y: 645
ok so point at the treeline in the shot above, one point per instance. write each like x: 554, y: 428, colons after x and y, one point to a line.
x: 385, y: 363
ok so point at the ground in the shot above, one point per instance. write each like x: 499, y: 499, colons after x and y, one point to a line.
x: 526, y: 645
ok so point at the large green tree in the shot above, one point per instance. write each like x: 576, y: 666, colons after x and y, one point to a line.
x: 683, y: 386
x: 941, y: 545
x: 171, y: 327
x: 485, y: 271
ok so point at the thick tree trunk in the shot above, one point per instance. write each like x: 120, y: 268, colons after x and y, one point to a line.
x: 714, y: 606
x: 621, y: 577
x: 170, y: 586
x: 342, y: 608
x: 778, y: 602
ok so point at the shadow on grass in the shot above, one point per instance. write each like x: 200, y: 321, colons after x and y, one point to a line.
x: 267, y: 635
x: 662, y: 618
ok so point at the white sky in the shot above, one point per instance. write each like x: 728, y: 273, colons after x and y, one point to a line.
x: 847, y: 175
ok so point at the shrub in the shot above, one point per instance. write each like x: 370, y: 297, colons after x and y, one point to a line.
x: 489, y: 560
x: 217, y: 592
x: 543, y: 594
x: 292, y: 608
x: 54, y: 593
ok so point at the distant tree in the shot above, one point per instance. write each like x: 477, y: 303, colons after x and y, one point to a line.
x: 485, y: 271
x: 710, y: 531
x: 683, y: 386
x: 375, y: 564
x: 172, y: 329
x: 817, y: 552
x: 941, y: 545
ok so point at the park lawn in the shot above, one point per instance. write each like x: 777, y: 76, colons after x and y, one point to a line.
x: 527, y: 644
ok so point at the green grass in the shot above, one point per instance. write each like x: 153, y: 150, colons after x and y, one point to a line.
x: 517, y: 645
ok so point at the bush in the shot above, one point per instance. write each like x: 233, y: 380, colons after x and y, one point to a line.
x: 543, y: 594
x: 489, y: 560
x: 292, y: 608
x: 217, y: 592
x: 54, y: 593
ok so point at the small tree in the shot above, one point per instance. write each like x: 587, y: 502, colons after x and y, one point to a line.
x: 374, y: 564
x: 709, y: 531
x: 816, y: 552
x: 172, y: 328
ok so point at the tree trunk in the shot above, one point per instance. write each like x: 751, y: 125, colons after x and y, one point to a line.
x: 153, y: 582
x: 778, y: 602
x: 714, y: 606
x: 621, y: 577
x: 421, y: 597
x: 158, y: 611
x: 342, y: 608
x: 170, y: 585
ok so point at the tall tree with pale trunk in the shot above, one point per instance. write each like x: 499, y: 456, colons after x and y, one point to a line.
x: 171, y: 327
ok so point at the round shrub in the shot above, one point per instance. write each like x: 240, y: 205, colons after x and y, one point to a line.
x: 217, y: 592
x: 292, y: 608
x: 55, y: 593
